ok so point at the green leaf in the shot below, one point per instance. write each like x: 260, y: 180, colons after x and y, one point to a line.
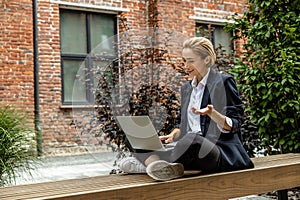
x: 282, y: 141
x: 283, y: 81
x: 267, y: 117
x: 273, y: 115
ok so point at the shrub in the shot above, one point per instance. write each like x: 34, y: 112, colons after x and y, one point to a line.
x: 268, y: 71
x: 17, y: 148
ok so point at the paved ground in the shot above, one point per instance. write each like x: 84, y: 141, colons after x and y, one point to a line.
x: 69, y: 167
x: 77, y: 166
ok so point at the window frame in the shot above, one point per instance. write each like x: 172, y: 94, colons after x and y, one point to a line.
x: 214, y: 24
x: 86, y: 57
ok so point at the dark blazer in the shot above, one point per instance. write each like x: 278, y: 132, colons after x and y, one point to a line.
x: 222, y: 93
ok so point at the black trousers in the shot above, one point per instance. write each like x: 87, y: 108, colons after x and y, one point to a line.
x: 194, y: 151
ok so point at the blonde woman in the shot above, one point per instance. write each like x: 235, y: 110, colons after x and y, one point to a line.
x: 208, y: 133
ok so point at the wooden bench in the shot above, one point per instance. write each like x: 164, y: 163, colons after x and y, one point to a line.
x: 272, y: 173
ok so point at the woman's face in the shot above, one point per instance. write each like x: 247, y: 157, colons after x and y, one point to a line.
x: 194, y: 64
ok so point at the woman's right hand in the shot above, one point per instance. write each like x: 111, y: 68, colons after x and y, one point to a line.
x: 170, y: 137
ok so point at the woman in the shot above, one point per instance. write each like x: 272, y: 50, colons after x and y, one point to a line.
x: 208, y: 135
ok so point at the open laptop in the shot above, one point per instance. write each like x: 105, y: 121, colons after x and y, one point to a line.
x: 141, y: 133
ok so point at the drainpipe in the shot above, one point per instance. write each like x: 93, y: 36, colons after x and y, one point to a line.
x: 36, y: 80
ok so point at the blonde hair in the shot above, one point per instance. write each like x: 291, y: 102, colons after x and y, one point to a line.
x: 202, y: 47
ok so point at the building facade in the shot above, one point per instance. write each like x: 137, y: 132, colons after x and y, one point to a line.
x: 67, y: 32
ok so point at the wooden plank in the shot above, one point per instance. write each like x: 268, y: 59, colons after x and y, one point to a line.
x: 267, y: 159
x: 270, y: 173
x: 221, y: 186
x: 275, y: 160
x: 84, y: 184
x: 91, y: 183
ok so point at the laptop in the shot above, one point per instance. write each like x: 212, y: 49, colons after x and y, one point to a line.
x: 141, y: 133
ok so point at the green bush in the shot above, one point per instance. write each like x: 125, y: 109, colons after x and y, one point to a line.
x: 268, y: 70
x: 17, y: 147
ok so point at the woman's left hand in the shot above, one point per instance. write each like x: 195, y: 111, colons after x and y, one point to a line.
x: 204, y: 111
x: 214, y: 115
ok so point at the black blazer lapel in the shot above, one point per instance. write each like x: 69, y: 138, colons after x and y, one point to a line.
x: 204, y: 119
x: 206, y: 99
x: 186, y: 91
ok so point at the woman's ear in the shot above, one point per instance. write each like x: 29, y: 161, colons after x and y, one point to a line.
x: 207, y: 60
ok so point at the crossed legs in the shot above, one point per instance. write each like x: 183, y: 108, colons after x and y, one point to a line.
x: 192, y: 152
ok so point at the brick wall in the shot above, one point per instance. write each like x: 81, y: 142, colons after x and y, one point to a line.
x: 16, y: 46
x: 16, y: 57
x: 53, y: 122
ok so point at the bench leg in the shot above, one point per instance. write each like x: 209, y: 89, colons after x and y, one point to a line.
x: 282, y: 195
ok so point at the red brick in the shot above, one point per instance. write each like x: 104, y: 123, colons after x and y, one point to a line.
x: 16, y: 46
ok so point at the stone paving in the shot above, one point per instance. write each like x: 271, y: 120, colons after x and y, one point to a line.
x: 69, y: 167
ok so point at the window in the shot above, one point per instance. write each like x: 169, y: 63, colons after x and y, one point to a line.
x: 216, y: 34
x: 81, y: 33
